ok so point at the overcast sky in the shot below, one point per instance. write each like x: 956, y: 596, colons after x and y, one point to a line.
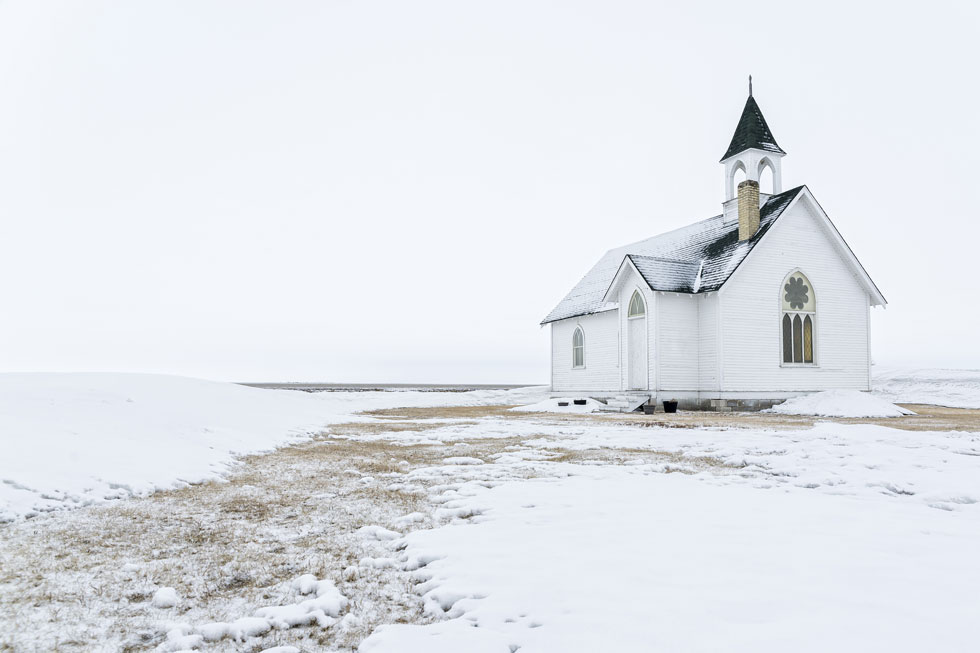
x: 400, y: 191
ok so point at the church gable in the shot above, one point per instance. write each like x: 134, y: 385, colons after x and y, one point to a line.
x: 796, y: 311
x: 821, y: 233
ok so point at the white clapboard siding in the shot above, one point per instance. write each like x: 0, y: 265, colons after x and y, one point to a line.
x: 750, y: 304
x: 677, y: 320
x: 601, y: 372
x: 708, y: 342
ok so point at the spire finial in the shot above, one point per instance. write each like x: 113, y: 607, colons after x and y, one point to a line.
x: 750, y: 85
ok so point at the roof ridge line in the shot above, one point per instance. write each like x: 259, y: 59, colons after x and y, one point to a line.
x: 664, y: 258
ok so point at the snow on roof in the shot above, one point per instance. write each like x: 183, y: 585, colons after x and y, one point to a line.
x: 672, y: 261
x: 665, y: 273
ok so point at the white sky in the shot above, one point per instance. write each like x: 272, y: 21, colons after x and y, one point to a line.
x: 400, y: 191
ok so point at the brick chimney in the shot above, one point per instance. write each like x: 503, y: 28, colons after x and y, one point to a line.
x: 748, y: 209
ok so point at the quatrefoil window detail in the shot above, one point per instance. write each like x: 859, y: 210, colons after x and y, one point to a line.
x: 796, y: 293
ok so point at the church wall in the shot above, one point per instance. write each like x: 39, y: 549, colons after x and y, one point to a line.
x: 602, y: 354
x: 708, y: 335
x: 678, y: 342
x: 751, y: 312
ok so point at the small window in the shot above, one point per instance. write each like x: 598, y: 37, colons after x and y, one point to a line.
x: 637, y: 307
x: 797, y: 319
x: 578, y: 348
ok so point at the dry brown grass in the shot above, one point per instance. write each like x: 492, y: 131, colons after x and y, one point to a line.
x: 393, y: 424
x: 927, y: 418
x: 277, y: 515
x: 675, y: 461
x: 281, y: 514
x: 444, y: 412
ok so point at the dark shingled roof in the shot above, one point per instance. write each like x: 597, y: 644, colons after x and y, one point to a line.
x: 752, y: 132
x: 666, y: 274
x: 674, y: 261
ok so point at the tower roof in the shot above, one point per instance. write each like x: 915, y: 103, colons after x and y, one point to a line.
x: 752, y: 132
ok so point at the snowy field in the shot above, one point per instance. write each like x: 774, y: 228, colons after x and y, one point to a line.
x: 75, y: 439
x: 429, y: 527
x: 956, y: 388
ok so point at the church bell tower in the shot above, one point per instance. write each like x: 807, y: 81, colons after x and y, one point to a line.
x: 752, y: 150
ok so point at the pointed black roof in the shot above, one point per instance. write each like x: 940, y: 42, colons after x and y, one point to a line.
x: 752, y: 132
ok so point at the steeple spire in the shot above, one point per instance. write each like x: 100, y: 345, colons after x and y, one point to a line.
x: 752, y: 130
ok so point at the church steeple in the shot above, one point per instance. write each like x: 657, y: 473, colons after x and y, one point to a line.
x: 752, y: 131
x: 753, y: 148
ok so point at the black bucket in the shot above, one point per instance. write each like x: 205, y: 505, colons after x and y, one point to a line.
x: 670, y: 406
x: 579, y: 402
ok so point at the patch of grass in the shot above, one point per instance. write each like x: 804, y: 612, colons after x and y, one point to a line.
x: 684, y: 463
x: 219, y: 544
x: 247, y: 507
x: 443, y: 412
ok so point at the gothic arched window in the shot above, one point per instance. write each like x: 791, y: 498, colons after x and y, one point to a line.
x: 798, y: 316
x: 578, y: 348
x: 637, y: 307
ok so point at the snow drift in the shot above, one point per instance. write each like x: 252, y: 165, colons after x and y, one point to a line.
x: 839, y: 403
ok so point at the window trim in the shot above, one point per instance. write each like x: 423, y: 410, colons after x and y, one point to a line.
x: 578, y: 330
x: 802, y: 315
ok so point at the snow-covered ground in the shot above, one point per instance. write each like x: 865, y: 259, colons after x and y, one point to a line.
x: 77, y: 439
x: 942, y: 387
x: 662, y: 562
x: 840, y: 537
x: 512, y: 531
x: 839, y: 403
x: 555, y: 406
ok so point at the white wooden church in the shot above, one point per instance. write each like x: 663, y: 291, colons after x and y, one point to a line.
x: 739, y: 311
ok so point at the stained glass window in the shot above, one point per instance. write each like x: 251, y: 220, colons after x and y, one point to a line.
x: 798, y: 316
x: 787, y: 338
x: 797, y: 294
x: 797, y: 340
x: 807, y: 340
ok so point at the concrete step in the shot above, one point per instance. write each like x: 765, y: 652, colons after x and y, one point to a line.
x: 626, y: 403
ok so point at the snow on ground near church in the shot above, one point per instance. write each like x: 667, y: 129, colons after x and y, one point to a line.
x: 839, y: 403
x: 75, y: 439
x: 955, y: 388
x: 552, y: 406
x: 483, y: 529
x: 657, y: 562
x: 846, y: 537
